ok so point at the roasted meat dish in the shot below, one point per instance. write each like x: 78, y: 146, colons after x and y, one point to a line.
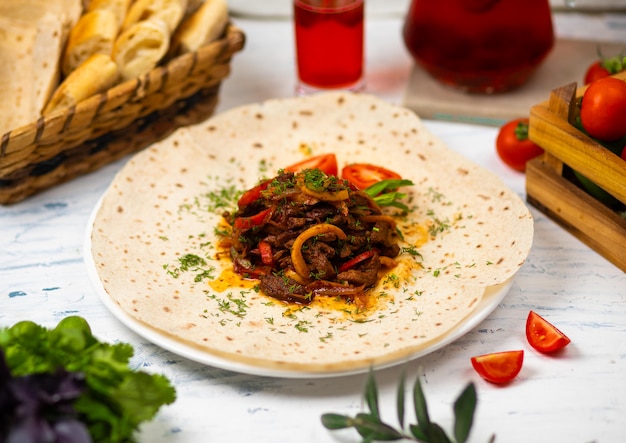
x: 309, y: 234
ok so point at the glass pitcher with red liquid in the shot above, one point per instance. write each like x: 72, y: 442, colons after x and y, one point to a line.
x: 479, y: 46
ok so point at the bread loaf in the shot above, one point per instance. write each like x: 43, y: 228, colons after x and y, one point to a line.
x: 206, y: 24
x: 140, y: 48
x: 97, y: 74
x: 94, y: 33
x: 193, y: 5
x: 118, y: 7
x: 170, y: 12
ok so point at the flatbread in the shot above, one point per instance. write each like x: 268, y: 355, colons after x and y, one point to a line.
x: 160, y: 209
x: 17, y: 40
x: 32, y: 36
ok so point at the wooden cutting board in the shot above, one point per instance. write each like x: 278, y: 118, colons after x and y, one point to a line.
x: 566, y: 63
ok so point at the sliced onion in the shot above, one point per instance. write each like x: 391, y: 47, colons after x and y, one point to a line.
x: 379, y: 218
x: 290, y: 273
x: 296, y: 250
x: 326, y: 195
x: 387, y: 262
x: 334, y: 289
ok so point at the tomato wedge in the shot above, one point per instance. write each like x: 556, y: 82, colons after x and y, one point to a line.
x: 364, y: 175
x: 543, y: 335
x: 499, y: 367
x: 327, y: 163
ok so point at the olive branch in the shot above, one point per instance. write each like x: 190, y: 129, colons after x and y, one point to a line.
x: 370, y: 426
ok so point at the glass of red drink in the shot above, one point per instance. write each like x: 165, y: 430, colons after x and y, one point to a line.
x: 479, y: 46
x: 329, y: 44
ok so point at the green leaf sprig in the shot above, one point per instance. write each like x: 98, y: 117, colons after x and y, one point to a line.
x: 385, y: 193
x: 372, y: 428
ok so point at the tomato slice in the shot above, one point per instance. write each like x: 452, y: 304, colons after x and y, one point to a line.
x: 499, y: 367
x: 327, y: 163
x: 544, y: 336
x: 364, y: 175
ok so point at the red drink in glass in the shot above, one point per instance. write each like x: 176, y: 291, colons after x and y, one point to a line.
x: 482, y: 46
x: 329, y: 44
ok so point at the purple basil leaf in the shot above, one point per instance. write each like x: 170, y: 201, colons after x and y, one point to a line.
x: 71, y: 431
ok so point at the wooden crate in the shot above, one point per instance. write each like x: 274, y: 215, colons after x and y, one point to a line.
x: 567, y: 149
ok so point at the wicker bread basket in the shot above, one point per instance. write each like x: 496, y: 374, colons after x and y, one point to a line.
x: 108, y: 126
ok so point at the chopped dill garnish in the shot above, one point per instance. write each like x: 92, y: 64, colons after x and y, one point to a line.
x: 236, y: 306
x: 191, y: 263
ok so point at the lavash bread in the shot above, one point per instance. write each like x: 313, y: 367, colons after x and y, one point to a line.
x: 32, y: 36
x: 140, y: 48
x: 18, y: 102
x: 46, y: 53
x: 155, y: 213
x: 95, y: 33
x: 206, y: 24
x: 67, y: 11
x: 97, y: 74
x: 118, y: 7
x: 170, y: 12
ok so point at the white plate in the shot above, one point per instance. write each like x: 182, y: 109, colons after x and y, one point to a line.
x: 493, y: 296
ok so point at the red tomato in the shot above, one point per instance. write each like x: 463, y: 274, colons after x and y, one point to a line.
x: 595, y: 71
x: 327, y: 163
x: 499, y: 367
x: 542, y: 335
x: 604, y: 67
x: 363, y: 175
x: 603, y: 109
x: 513, y: 145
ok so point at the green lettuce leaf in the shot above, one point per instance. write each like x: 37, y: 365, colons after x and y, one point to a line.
x: 116, y: 400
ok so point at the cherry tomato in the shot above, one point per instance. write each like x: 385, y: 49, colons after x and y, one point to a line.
x: 327, y: 163
x: 603, y: 109
x: 513, y: 145
x: 364, y: 175
x: 604, y: 67
x: 542, y: 335
x: 499, y: 367
x: 595, y: 71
